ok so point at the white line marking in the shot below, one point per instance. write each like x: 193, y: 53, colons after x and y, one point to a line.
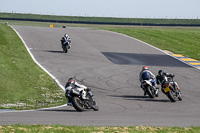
x: 33, y: 109
x: 59, y: 84
x: 54, y: 78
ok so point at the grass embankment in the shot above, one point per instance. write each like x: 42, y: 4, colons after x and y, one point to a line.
x: 23, y: 84
x: 32, y: 88
x: 179, y: 40
x: 185, y: 41
x: 75, y: 129
x: 15, y: 59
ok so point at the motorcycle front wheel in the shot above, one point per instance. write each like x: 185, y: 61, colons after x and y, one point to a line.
x: 93, y: 104
x: 95, y: 107
x: 65, y: 48
x: 180, y: 96
x: 171, y: 96
x: 77, y: 103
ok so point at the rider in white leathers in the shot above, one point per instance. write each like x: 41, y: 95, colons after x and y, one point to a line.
x: 73, y: 84
x: 152, y: 77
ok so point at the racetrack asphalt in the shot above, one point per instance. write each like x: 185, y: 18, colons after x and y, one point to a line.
x: 109, y: 63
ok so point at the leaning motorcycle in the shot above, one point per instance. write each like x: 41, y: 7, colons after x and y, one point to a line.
x: 149, y: 88
x: 170, y: 88
x: 81, y: 104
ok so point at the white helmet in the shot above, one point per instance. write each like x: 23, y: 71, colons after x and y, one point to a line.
x: 66, y: 36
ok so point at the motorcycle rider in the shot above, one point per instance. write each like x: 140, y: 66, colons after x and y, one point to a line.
x: 146, y: 73
x: 160, y: 78
x: 73, y: 84
x: 66, y: 40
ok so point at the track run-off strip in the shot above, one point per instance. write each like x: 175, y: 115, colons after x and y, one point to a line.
x: 190, y: 61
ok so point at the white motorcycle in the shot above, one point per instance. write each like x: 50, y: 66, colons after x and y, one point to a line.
x: 82, y: 99
x: 150, y: 89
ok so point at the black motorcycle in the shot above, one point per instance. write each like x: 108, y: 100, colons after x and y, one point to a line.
x: 81, y: 104
x: 170, y: 88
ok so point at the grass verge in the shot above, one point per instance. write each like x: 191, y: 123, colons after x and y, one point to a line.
x: 185, y: 41
x: 23, y: 84
x: 35, y: 89
x: 75, y: 129
x: 179, y: 40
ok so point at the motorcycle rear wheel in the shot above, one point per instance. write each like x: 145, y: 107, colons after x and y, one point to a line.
x: 149, y: 92
x: 77, y: 104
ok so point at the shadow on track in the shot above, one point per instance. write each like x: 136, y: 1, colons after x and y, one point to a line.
x: 53, y: 51
x: 141, y: 98
x: 58, y: 110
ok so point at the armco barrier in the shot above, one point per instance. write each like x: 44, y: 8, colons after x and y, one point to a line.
x: 102, y: 23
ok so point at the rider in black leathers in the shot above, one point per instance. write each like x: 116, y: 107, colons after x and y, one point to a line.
x: 160, y: 78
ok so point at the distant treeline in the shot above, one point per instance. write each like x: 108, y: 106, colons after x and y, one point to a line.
x: 100, y: 20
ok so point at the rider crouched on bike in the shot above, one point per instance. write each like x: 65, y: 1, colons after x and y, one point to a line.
x: 146, y: 74
x: 71, y: 84
x: 66, y: 40
x: 160, y: 78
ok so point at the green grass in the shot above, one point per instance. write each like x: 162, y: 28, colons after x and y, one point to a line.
x: 23, y: 84
x: 179, y: 40
x: 76, y: 129
x: 33, y: 88
x: 185, y: 41
x: 22, y: 81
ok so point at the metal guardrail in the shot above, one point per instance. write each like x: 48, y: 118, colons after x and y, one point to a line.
x: 101, y: 23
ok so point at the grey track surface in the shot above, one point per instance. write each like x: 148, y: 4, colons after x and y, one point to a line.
x: 109, y: 63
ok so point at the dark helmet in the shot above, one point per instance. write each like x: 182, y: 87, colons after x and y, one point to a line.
x: 145, y: 76
x: 160, y: 72
x: 145, y: 68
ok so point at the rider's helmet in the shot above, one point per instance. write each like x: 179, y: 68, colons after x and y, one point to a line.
x: 66, y: 36
x: 71, y: 80
x: 145, y: 68
x: 145, y: 76
x: 160, y: 72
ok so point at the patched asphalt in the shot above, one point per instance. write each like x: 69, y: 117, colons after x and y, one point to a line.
x: 109, y: 63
